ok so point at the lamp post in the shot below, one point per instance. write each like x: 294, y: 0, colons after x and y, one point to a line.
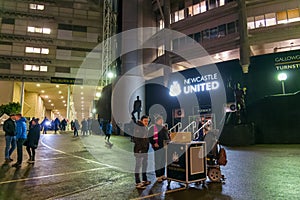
x: 282, y: 77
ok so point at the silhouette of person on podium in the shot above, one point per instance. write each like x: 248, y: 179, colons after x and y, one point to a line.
x: 137, y: 107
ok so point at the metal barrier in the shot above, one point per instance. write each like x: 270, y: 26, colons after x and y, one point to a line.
x: 196, y: 134
x: 179, y: 125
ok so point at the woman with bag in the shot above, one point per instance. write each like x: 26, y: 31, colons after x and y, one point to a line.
x: 33, y: 140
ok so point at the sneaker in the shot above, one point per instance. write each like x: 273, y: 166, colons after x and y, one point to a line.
x: 17, y: 165
x: 31, y: 161
x: 140, y: 186
x: 146, y: 182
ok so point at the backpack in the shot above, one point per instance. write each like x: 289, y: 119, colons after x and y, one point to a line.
x: 222, y: 157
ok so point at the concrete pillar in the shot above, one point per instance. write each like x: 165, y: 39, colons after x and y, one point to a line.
x: 244, y: 40
x: 167, y: 58
x: 22, y: 96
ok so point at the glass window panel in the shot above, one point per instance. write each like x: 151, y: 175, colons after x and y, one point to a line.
x: 231, y: 28
x: 205, y: 34
x: 30, y: 29
x: 281, y: 17
x: 38, y: 30
x: 221, y: 30
x: 212, y: 4
x: 214, y: 32
x: 181, y: 14
x: 198, y: 37
x: 46, y: 30
x: 32, y: 6
x: 40, y: 7
x: 250, y: 22
x: 29, y: 49
x: 190, y: 10
x: 45, y: 51
x: 43, y: 68
x: 260, y: 21
x: 27, y: 67
x: 36, y: 50
x: 222, y: 2
x: 161, y: 50
x: 196, y: 9
x: 293, y: 15
x: 203, y: 6
x: 35, y: 68
x: 270, y: 19
x: 176, y: 16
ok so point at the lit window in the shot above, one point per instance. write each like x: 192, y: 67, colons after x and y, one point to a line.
x: 293, y: 15
x: 45, y: 51
x: 30, y: 29
x: 181, y: 14
x: 29, y: 50
x: 250, y: 22
x: 203, y: 7
x: 38, y: 30
x: 222, y: 2
x: 260, y: 21
x: 34, y: 6
x: 35, y: 68
x: 176, y: 16
x: 190, y: 14
x: 46, y: 30
x: 161, y: 50
x: 36, y: 50
x: 196, y: 9
x: 27, y: 67
x: 281, y: 17
x: 40, y: 7
x: 161, y: 24
x: 43, y: 68
x: 270, y: 19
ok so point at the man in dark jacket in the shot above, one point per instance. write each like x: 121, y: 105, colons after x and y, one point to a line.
x: 9, y: 128
x: 21, y: 137
x: 33, y: 140
x: 141, y: 146
x: 159, y: 136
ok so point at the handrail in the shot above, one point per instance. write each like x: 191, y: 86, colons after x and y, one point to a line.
x: 196, y: 133
x: 165, y: 124
x: 193, y: 124
x: 179, y: 125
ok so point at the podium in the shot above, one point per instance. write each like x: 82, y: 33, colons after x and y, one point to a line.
x: 186, y: 162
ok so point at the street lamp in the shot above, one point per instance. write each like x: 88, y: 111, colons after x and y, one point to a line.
x: 282, y: 77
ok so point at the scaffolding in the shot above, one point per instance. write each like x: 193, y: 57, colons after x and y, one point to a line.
x: 109, y: 29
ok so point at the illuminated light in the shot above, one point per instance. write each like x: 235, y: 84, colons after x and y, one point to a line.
x: 46, y: 96
x: 201, y: 87
x: 43, y: 91
x: 94, y: 110
x: 48, y: 123
x: 61, y: 97
x: 49, y: 101
x: 57, y: 86
x: 217, y: 56
x: 98, y: 94
x: 175, y: 89
x: 81, y: 93
x: 38, y: 85
x: 59, y: 92
x: 110, y: 75
x: 52, y: 104
x: 282, y: 77
x: 82, y: 97
x: 65, y: 105
x: 82, y: 101
x: 64, y: 101
x: 81, y: 87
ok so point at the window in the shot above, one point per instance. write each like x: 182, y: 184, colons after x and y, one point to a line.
x: 63, y: 69
x: 260, y: 21
x: 181, y: 14
x: 8, y: 21
x: 281, y: 17
x: 34, y: 6
x: 37, y: 50
x: 205, y: 34
x: 222, y: 2
x: 214, y: 32
x: 293, y: 15
x: 31, y: 29
x: 212, y: 4
x: 161, y: 24
x: 190, y: 11
x: 231, y: 28
x: 176, y: 14
x: 270, y: 19
x: 197, y: 37
x: 221, y: 30
x: 5, y: 66
x: 203, y: 7
x: 36, y: 68
x: 196, y: 9
x: 161, y: 50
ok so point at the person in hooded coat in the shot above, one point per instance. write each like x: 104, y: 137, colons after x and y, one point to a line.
x: 33, y: 140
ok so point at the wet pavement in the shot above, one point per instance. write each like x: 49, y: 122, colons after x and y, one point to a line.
x: 89, y: 168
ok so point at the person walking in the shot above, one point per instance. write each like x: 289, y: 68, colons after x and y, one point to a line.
x: 84, y: 127
x: 33, y: 140
x: 141, y: 147
x: 9, y: 127
x: 21, y: 136
x: 45, y: 123
x: 158, y: 139
x: 56, y: 124
x: 108, y: 131
x: 76, y: 128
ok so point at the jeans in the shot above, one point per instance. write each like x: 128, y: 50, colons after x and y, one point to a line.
x: 10, y: 145
x: 20, y: 142
x: 141, y: 161
x: 160, y: 162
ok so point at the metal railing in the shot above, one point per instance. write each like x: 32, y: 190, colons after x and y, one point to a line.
x: 196, y: 134
x: 178, y: 125
x: 193, y: 124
